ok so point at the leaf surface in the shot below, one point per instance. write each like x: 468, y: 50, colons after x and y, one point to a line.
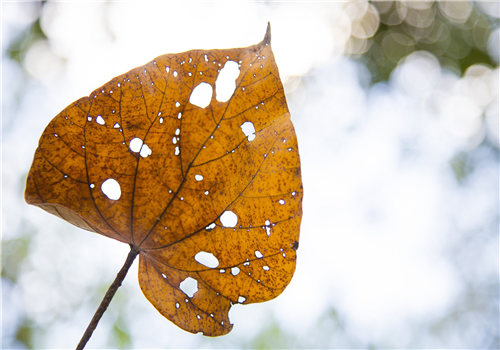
x: 205, y: 182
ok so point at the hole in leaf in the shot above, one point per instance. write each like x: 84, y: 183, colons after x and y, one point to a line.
x: 99, y: 120
x: 135, y: 144
x: 226, y: 81
x: 281, y: 201
x: 235, y: 270
x: 145, y: 151
x: 189, y: 286
x: 198, y: 177
x: 116, y: 126
x: 268, y: 231
x: 266, y: 268
x: 201, y: 95
x: 210, y: 227
x: 258, y: 254
x: 228, y: 219
x: 111, y: 188
x: 177, y: 305
x: 207, y: 259
x: 241, y: 299
x: 249, y: 130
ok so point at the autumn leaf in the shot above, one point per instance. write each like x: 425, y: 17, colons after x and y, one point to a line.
x: 192, y: 160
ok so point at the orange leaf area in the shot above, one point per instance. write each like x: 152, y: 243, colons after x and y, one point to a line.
x: 193, y: 159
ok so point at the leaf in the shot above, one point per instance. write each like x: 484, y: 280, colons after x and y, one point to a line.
x: 207, y: 187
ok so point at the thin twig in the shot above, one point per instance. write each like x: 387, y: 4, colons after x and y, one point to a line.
x: 107, y: 297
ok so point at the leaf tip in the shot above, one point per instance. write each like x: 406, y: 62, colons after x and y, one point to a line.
x: 267, y: 36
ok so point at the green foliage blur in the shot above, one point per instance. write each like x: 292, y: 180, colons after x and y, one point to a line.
x: 17, y: 50
x: 457, y: 43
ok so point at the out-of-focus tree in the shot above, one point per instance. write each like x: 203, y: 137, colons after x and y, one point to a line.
x: 455, y: 32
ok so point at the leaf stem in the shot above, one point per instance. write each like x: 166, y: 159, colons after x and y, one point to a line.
x: 108, y: 296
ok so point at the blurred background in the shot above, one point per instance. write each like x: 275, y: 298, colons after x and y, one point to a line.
x: 396, y: 109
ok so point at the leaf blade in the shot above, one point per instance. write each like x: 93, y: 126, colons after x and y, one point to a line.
x: 222, y: 178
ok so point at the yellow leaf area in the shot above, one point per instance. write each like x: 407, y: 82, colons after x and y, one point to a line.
x: 207, y: 188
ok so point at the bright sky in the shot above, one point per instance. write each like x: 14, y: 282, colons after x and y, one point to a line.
x: 381, y: 208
